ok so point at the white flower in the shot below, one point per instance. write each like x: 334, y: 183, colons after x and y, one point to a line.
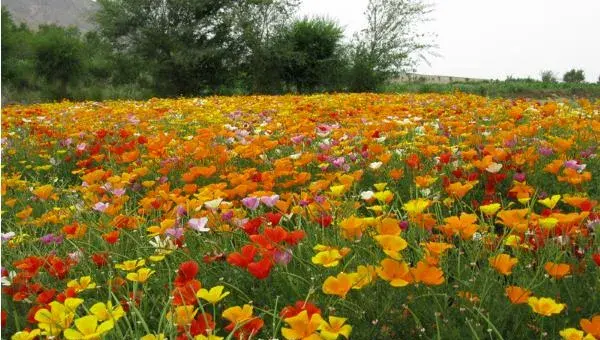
x: 7, y: 280
x: 375, y: 165
x: 367, y: 195
x: 493, y: 168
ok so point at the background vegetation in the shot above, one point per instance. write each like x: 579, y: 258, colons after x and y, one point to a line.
x: 153, y: 48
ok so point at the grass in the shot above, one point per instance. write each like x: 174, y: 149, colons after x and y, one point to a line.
x: 505, y: 89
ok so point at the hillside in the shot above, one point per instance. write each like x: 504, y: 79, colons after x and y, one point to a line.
x: 61, y: 12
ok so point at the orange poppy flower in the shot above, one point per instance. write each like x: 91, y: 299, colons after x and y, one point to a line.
x: 557, y: 270
x: 517, y: 295
x: 591, y: 326
x: 429, y: 275
x: 503, y: 263
x: 339, y: 285
x: 395, y: 272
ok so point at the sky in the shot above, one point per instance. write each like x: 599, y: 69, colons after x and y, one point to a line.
x: 493, y: 39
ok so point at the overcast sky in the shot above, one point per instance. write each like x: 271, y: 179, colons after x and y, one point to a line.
x: 495, y: 39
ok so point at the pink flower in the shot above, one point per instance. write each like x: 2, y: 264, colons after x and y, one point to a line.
x: 100, y: 206
x: 118, y: 192
x: 199, y: 224
x: 283, y: 257
x: 573, y: 164
x: 175, y: 233
x: 297, y: 139
x: 269, y: 201
x: 251, y: 202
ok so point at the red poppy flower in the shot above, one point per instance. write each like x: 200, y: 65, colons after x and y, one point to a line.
x: 57, y: 267
x: 596, y: 258
x: 68, y: 293
x: 100, y: 259
x: 260, y: 269
x: 251, y: 227
x: 273, y: 218
x: 243, y: 258
x: 325, y: 220
x: 294, y: 237
x: 46, y: 296
x: 29, y: 266
x: 201, y: 324
x: 248, y: 330
x: 185, y: 294
x: 413, y: 161
x: 111, y: 237
x: 187, y: 271
x: 299, y: 307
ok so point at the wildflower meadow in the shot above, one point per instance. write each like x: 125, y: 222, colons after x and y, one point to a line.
x: 348, y: 216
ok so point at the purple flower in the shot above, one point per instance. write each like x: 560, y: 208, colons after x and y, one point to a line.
x: 199, y: 224
x: 133, y: 119
x: 404, y: 225
x: 251, y: 202
x: 51, y: 238
x: 181, y: 211
x: 573, y: 164
x: 226, y: 216
x: 511, y: 143
x: 118, y: 192
x: 283, y: 257
x: 338, y: 162
x: 545, y: 151
x: 297, y: 139
x: 269, y: 201
x: 519, y: 177
x: 100, y: 206
x: 175, y: 233
x: 320, y: 199
x: 66, y: 142
x: 81, y: 146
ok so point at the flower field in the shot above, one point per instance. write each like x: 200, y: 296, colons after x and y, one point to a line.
x: 356, y: 216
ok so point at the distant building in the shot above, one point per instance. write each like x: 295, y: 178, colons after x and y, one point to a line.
x: 434, y: 79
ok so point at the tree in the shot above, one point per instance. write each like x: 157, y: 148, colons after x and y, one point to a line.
x: 17, y: 54
x: 574, y: 76
x: 259, y: 22
x: 311, y: 53
x: 188, y: 46
x: 58, y: 57
x: 390, y: 44
x: 548, y: 76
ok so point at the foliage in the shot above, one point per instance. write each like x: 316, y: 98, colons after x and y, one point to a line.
x: 506, y: 89
x: 58, y: 57
x: 187, y: 46
x: 390, y: 44
x: 17, y: 54
x: 311, y: 53
x: 548, y: 77
x: 574, y: 76
x: 260, y: 22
